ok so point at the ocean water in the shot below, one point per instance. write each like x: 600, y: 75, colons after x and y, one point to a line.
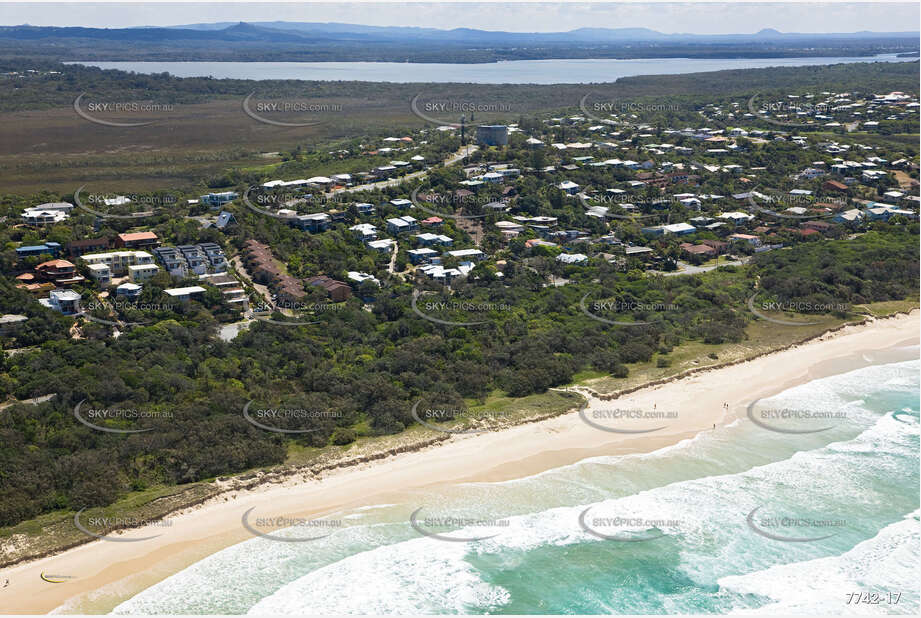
x: 741, y: 519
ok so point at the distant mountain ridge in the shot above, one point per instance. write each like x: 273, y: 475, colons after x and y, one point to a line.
x: 325, y: 42
x: 585, y: 33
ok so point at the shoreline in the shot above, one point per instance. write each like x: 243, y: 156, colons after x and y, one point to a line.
x: 107, y: 573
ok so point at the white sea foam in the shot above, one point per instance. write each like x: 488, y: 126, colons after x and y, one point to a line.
x: 386, y: 568
x: 887, y: 563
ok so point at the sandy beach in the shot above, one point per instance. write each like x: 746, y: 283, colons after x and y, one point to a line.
x: 97, y: 576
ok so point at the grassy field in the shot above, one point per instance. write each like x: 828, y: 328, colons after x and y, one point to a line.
x: 60, y: 151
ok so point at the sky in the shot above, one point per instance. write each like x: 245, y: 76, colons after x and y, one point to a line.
x: 669, y: 17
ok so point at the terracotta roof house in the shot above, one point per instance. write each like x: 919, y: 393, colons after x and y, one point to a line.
x: 137, y: 240
x: 336, y: 290
x: 61, y: 272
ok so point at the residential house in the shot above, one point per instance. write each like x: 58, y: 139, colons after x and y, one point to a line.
x: 835, y: 186
x: 421, y: 256
x: 131, y: 291
x: 399, y: 225
x: 116, y: 261
x: 429, y: 240
x: 49, y: 248
x: 572, y: 258
x: 336, y: 290
x: 142, y: 272
x: 47, y: 214
x: 364, y: 231
x: 186, y: 293
x: 467, y: 254
x: 849, y: 217
x: 137, y: 240
x: 216, y: 200
x: 62, y: 301
x: 76, y: 248
x: 568, y: 187
x: 383, y: 245
x: 700, y: 250
x: 60, y: 272
x: 750, y: 239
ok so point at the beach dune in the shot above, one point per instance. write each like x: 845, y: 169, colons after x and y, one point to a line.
x: 97, y: 576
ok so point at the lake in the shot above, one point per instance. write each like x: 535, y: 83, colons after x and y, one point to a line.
x: 561, y: 71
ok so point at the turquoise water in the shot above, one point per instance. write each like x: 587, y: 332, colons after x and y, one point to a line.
x: 687, y: 504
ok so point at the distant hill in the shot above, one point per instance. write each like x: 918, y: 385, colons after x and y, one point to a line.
x: 278, y: 40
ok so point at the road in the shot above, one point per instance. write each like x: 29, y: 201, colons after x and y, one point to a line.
x: 690, y: 269
x: 392, y: 182
x: 391, y: 268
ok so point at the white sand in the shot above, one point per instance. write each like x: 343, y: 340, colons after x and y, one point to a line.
x: 105, y: 573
